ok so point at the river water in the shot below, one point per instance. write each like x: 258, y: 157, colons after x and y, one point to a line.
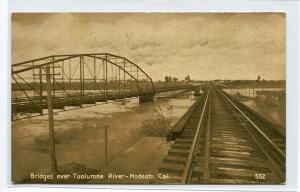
x: 271, y: 106
x: 80, y: 133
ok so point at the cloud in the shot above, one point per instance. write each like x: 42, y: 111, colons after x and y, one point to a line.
x: 141, y: 44
x: 206, y: 46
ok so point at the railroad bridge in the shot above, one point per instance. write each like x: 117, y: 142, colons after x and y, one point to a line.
x: 80, y: 79
x: 220, y: 140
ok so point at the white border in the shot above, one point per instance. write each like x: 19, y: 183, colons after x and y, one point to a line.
x: 291, y: 8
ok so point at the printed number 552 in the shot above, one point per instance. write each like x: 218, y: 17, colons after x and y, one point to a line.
x: 260, y: 176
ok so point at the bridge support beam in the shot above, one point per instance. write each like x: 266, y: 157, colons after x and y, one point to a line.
x: 146, y: 98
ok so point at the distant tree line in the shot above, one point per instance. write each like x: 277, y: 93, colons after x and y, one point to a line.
x: 175, y: 79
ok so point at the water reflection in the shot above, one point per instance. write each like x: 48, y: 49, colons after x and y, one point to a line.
x: 80, y: 134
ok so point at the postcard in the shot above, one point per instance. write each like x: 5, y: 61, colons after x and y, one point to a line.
x: 148, y: 98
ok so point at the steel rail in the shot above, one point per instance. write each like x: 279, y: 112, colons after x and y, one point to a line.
x: 187, y: 166
x: 272, y: 164
x: 206, y: 171
x: 255, y: 126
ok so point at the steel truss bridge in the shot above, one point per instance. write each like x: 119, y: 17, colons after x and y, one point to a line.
x: 79, y: 79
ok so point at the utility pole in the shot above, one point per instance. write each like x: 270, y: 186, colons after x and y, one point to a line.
x: 51, y: 122
x: 81, y: 80
x: 41, y: 90
x: 106, y: 145
x: 106, y: 76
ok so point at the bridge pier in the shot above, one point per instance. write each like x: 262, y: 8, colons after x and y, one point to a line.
x: 197, y: 91
x: 146, y: 98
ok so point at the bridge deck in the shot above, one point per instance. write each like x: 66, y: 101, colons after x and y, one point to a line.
x: 36, y: 104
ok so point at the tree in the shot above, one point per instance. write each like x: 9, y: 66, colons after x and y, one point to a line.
x: 166, y: 79
x: 188, y: 78
x: 258, y: 78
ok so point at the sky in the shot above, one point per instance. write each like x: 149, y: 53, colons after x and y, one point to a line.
x: 206, y: 46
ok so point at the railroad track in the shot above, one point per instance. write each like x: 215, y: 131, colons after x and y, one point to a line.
x: 223, y: 144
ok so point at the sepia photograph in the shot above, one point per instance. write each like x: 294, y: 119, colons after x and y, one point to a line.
x: 148, y: 98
